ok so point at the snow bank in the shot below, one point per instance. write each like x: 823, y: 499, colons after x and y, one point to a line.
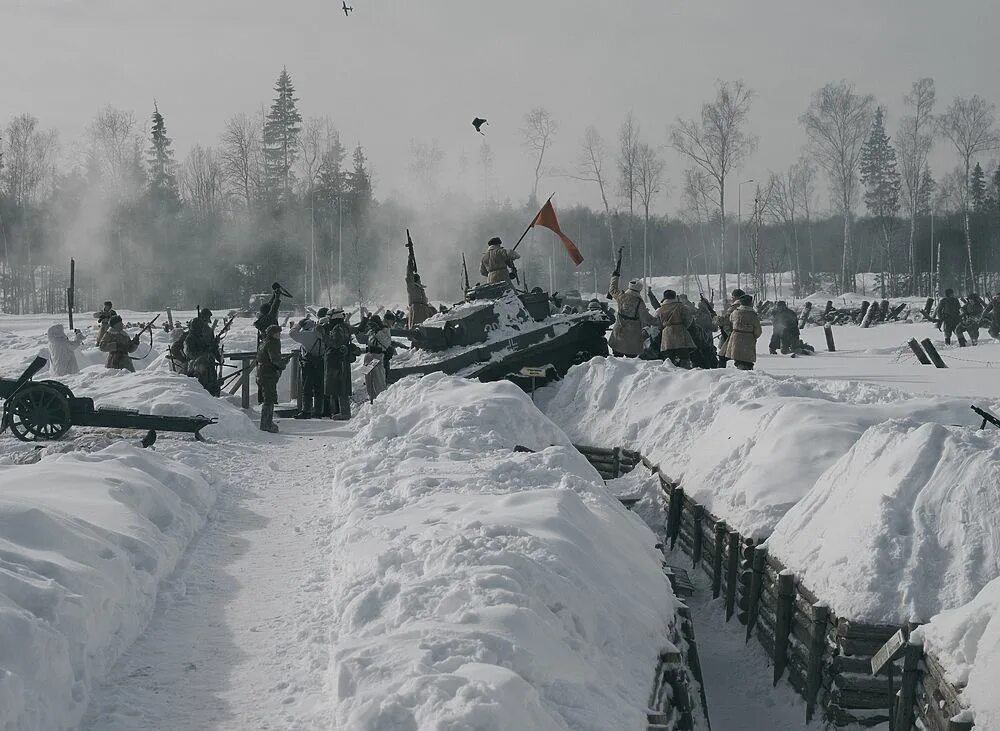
x: 84, y: 542
x: 748, y: 446
x: 902, y: 526
x: 478, y: 587
x: 967, y: 642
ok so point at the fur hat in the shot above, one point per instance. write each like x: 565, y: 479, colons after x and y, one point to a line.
x: 746, y: 300
x: 635, y: 285
x: 336, y: 314
x: 669, y: 294
x: 495, y: 241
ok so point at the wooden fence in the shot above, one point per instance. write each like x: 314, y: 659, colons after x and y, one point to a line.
x: 825, y: 658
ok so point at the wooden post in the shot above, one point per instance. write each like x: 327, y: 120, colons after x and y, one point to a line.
x: 907, y: 701
x: 783, y: 622
x: 71, y: 292
x: 170, y: 318
x: 814, y: 671
x: 294, y: 391
x: 732, y: 572
x: 932, y: 353
x: 720, y: 541
x: 864, y: 311
x: 676, y: 513
x: 696, y: 516
x: 616, y: 463
x: 744, y: 580
x: 245, y: 385
x: 756, y: 585
x: 918, y: 351
x: 830, y: 345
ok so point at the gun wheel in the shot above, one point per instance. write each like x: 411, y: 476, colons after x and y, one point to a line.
x: 38, y: 412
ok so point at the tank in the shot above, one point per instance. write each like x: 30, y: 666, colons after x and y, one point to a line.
x: 496, y: 332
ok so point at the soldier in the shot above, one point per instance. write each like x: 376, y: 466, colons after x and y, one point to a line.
x: 497, y: 262
x: 784, y: 330
x: 338, y: 352
x: 268, y: 313
x: 416, y: 294
x: 992, y: 317
x: 306, y: 333
x: 117, y: 344
x: 202, y: 352
x: 675, y: 318
x: 626, y: 338
x: 103, y: 317
x: 948, y: 314
x: 269, y: 367
x: 701, y: 329
x: 178, y: 358
x: 972, y: 317
x: 379, y: 352
x: 726, y: 326
x: 62, y: 350
x: 741, y: 347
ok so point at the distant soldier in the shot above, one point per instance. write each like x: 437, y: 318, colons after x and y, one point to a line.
x: 675, y: 318
x: 269, y: 367
x: 972, y: 317
x: 784, y: 330
x: 497, y: 262
x: 306, y: 333
x: 202, y: 352
x: 725, y: 325
x: 741, y: 347
x: 103, y: 317
x: 62, y: 350
x: 118, y: 345
x: 992, y: 317
x: 627, y: 338
x: 338, y: 353
x: 178, y: 358
x: 416, y: 295
x: 379, y: 350
x: 948, y: 314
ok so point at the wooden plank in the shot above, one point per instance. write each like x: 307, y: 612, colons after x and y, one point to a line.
x: 732, y: 572
x: 814, y: 670
x: 862, y: 631
x: 786, y: 597
x: 719, y: 542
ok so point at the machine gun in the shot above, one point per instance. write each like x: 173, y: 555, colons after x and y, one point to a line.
x: 988, y: 418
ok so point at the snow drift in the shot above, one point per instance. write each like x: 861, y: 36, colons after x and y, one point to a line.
x: 478, y: 587
x: 902, y: 526
x: 748, y: 446
x: 967, y: 642
x: 84, y: 542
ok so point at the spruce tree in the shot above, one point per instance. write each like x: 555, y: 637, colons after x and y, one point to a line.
x: 977, y: 188
x: 162, y: 170
x: 926, y: 190
x: 882, y: 183
x: 281, y: 135
x: 995, y: 190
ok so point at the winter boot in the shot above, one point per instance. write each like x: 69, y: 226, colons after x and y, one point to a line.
x: 267, y: 419
x: 344, y: 409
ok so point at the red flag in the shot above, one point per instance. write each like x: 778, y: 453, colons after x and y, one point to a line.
x: 547, y: 218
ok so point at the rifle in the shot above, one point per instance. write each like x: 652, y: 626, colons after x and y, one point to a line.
x: 409, y: 245
x: 71, y: 291
x: 652, y: 299
x: 225, y: 328
x: 987, y: 417
x: 708, y: 305
x: 465, y: 272
x: 618, y: 267
x: 149, y: 325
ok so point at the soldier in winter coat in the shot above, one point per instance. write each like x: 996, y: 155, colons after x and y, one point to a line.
x: 972, y: 317
x: 306, y: 333
x: 725, y: 325
x: 949, y: 314
x: 784, y: 330
x: 992, y: 317
x: 62, y: 350
x: 416, y: 294
x: 675, y: 318
x: 103, y: 318
x: 178, y: 358
x: 742, y: 344
x: 626, y: 335
x: 269, y: 368
x: 497, y: 262
x: 202, y: 352
x: 338, y: 353
x: 117, y: 344
x: 379, y: 351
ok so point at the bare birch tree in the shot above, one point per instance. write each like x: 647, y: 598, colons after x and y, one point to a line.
x: 538, y: 131
x: 718, y: 142
x: 914, y: 141
x: 590, y: 167
x: 697, y: 201
x: 789, y: 203
x: 29, y: 159
x: 649, y: 183
x: 628, y: 162
x: 202, y: 181
x: 837, y: 123
x: 242, y: 157
x: 762, y: 209
x: 970, y: 126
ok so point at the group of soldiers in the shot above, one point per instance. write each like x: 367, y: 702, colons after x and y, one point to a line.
x: 967, y: 316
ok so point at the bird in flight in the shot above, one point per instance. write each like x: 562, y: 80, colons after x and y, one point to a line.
x: 347, y: 9
x: 478, y: 122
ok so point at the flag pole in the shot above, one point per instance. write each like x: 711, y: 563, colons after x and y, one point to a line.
x: 532, y: 223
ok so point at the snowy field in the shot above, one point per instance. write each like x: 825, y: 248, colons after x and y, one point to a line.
x: 409, y: 569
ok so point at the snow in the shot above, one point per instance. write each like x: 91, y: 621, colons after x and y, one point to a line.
x: 84, y: 542
x: 903, y: 526
x: 966, y: 640
x: 477, y: 587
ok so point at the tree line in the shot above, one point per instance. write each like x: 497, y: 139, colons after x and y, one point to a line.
x: 280, y: 197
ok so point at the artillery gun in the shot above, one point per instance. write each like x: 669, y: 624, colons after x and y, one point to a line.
x: 496, y: 332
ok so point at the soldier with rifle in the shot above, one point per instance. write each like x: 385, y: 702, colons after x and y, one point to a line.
x: 416, y: 294
x: 338, y: 354
x: 269, y: 311
x: 119, y: 346
x: 306, y: 333
x: 627, y: 338
x: 724, y: 321
x: 202, y: 350
x: 972, y: 317
x: 498, y: 263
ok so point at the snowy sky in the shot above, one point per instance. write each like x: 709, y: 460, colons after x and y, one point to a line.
x: 399, y: 70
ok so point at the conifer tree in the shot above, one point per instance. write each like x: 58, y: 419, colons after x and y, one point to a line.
x: 881, y: 179
x: 162, y: 169
x: 281, y: 136
x: 925, y: 192
x: 977, y: 188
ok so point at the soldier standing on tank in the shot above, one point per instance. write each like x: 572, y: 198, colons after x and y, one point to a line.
x: 416, y: 294
x: 948, y: 314
x: 497, y: 262
x: 269, y: 368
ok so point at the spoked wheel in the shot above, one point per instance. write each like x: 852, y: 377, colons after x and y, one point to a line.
x: 38, y: 412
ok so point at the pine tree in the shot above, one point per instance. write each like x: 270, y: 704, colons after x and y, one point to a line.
x: 162, y: 170
x: 882, y: 183
x: 977, y: 188
x: 994, y: 196
x: 359, y: 185
x: 925, y: 193
x: 281, y: 135
x: 331, y: 183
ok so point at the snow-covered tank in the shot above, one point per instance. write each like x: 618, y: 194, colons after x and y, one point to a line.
x: 496, y: 332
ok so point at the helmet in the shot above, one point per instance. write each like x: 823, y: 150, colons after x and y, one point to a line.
x: 205, y: 314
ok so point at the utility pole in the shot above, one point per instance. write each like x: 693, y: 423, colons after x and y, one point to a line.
x: 340, y: 248
x: 930, y: 262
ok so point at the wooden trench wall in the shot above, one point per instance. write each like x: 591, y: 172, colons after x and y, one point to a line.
x: 825, y: 658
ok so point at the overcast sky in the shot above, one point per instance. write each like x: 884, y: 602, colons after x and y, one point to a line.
x: 399, y: 70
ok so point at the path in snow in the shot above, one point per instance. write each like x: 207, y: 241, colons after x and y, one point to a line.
x: 239, y: 638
